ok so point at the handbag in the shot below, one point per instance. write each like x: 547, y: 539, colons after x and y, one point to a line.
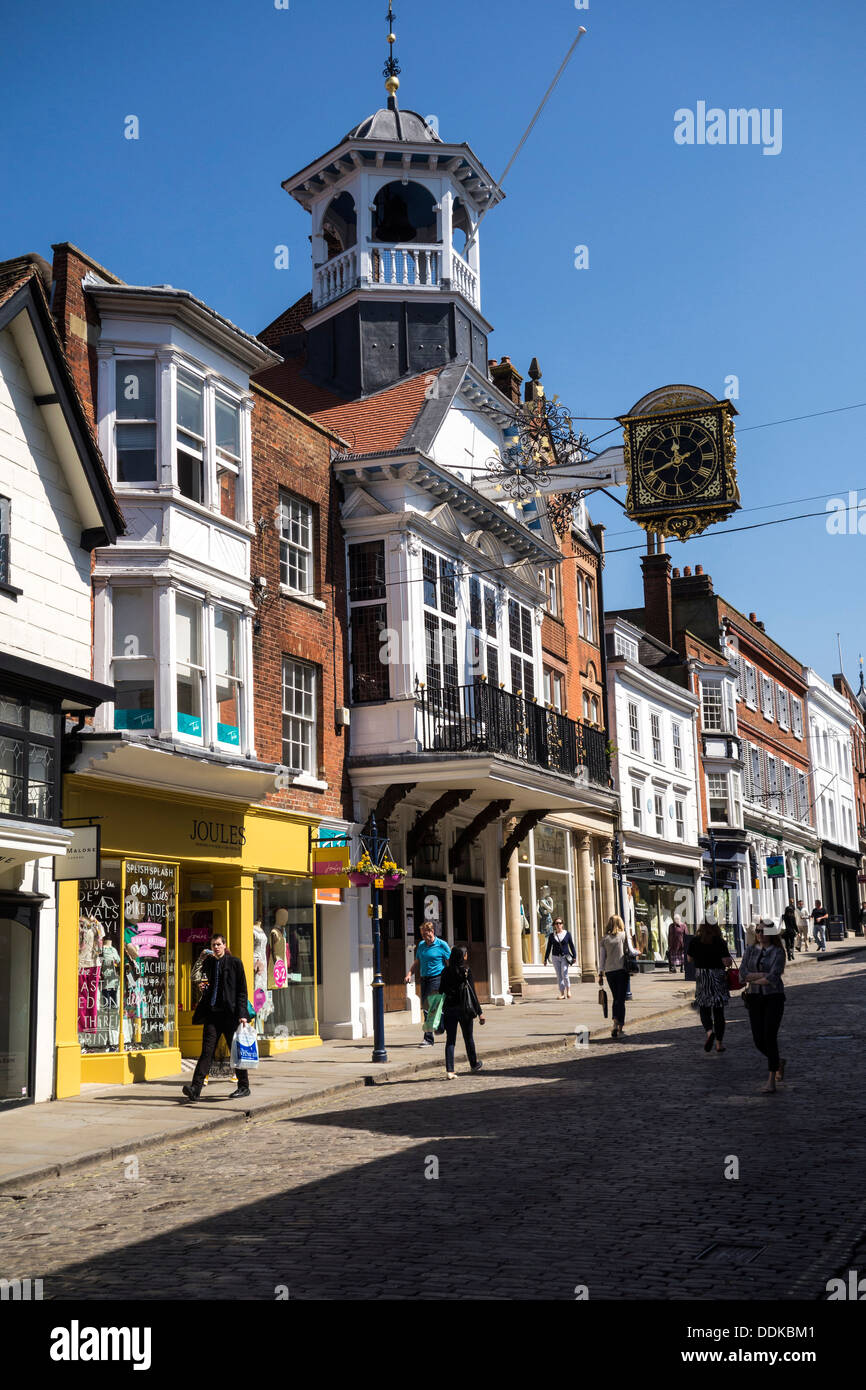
x: 629, y: 960
x: 733, y: 975
x: 602, y: 999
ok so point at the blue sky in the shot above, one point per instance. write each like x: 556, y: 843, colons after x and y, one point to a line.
x: 705, y: 262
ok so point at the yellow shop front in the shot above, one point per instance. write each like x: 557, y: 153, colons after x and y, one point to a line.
x: 174, y: 870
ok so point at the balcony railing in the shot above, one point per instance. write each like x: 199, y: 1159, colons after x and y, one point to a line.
x: 483, y: 719
x: 401, y: 266
x: 464, y: 278
x: 336, y: 277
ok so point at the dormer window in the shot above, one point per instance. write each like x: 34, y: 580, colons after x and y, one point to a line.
x: 135, y: 427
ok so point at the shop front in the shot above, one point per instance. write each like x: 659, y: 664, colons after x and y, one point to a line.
x: 841, y: 895
x: 173, y: 872
x: 658, y: 890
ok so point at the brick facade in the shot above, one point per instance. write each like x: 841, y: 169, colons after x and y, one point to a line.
x: 291, y: 454
x: 566, y: 646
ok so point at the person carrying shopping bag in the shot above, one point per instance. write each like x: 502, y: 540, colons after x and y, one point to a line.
x: 222, y: 1006
x: 612, y: 965
x: 431, y: 957
x: 561, y: 947
x: 762, y: 967
x: 461, y: 1006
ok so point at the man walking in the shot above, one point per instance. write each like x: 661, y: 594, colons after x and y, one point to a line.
x: 222, y: 1006
x: 820, y: 918
x: 802, y: 926
x: 431, y: 957
x: 788, y: 925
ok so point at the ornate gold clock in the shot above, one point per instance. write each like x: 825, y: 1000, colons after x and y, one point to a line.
x: 680, y: 452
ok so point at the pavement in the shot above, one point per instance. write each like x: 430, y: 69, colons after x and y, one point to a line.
x: 636, y: 1169
x: 42, y: 1141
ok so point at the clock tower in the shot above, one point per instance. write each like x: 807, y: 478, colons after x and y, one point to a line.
x: 396, y: 277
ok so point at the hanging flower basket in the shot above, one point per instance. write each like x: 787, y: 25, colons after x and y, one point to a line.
x: 393, y: 880
x: 360, y: 880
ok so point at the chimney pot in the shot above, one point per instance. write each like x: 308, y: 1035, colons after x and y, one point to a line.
x: 687, y: 572
x: 699, y: 569
x: 753, y: 617
x: 676, y: 574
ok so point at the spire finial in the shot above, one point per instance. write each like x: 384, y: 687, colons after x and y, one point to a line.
x: 392, y: 67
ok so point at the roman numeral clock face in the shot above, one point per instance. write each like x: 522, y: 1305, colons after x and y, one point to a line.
x: 677, y: 461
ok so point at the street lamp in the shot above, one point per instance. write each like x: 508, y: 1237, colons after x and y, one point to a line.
x: 376, y: 848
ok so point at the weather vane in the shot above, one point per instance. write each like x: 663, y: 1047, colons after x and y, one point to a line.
x: 392, y: 67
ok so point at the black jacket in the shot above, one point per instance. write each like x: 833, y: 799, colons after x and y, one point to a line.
x: 565, y: 947
x: 458, y: 987
x: 233, y: 991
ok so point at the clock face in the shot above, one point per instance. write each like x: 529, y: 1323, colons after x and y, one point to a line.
x: 677, y: 461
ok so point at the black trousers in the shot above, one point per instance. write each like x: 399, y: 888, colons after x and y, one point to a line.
x: 765, y: 1016
x: 618, y: 983
x: 714, y: 1019
x: 217, y: 1025
x: 452, y: 1018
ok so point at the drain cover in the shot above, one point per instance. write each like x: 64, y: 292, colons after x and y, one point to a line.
x: 720, y: 1254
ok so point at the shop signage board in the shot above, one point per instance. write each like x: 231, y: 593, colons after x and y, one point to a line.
x: 775, y: 866
x: 330, y: 867
x: 81, y: 859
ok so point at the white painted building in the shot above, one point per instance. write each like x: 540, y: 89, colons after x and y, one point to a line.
x: 829, y: 722
x: 56, y: 505
x: 655, y: 768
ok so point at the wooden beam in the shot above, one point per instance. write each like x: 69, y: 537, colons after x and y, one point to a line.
x: 445, y: 803
x: 469, y: 834
x: 527, y: 822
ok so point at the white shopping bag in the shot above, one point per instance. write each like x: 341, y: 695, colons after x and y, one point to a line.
x: 245, y: 1050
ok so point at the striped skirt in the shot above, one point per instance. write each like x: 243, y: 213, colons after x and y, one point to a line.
x: 711, y: 989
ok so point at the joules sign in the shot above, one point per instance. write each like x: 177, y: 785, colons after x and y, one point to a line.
x: 218, y: 833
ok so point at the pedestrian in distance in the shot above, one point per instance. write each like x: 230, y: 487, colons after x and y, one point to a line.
x: 761, y: 969
x: 789, y: 929
x: 802, y: 926
x: 221, y: 1007
x: 461, y: 1007
x: 820, y: 918
x: 612, y: 966
x: 431, y: 958
x: 561, y: 948
x: 709, y: 952
x: 677, y: 933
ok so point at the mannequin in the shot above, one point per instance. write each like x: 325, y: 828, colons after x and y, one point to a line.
x: 545, y: 911
x: 260, y: 973
x: 278, y: 965
x: 525, y: 943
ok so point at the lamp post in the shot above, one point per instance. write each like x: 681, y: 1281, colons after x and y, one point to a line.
x: 376, y: 848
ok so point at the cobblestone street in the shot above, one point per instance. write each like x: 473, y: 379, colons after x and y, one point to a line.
x: 602, y: 1167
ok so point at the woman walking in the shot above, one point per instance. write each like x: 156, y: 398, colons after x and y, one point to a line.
x: 461, y: 1006
x: 611, y: 963
x: 561, y: 947
x: 762, y: 968
x: 709, y: 952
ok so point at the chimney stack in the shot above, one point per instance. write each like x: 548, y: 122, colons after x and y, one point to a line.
x: 658, y: 608
x: 506, y: 378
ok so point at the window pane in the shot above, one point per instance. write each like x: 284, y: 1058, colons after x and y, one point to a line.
x: 41, y: 719
x: 228, y: 491
x: 226, y: 642
x: 132, y: 622
x: 135, y: 389
x: 228, y: 427
x: 493, y: 666
x: 449, y: 654
x: 190, y: 404
x: 134, y: 697
x: 40, y: 787
x: 188, y: 701
x: 190, y: 475
x: 474, y: 603
x: 526, y: 629
x: 187, y: 629
x: 11, y: 777
x: 490, y: 610
x: 367, y: 571
x: 428, y: 569
x: 299, y: 745
x: 11, y: 711
x: 447, y: 588
x: 550, y: 847
x: 228, y: 711
x: 369, y: 672
x: 136, y: 453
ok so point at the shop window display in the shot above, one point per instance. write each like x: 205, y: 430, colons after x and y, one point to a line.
x: 284, y: 976
x: 126, y: 965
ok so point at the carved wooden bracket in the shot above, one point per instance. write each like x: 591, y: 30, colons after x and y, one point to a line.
x: 526, y: 823
x: 445, y: 803
x: 471, y: 832
x: 387, y: 802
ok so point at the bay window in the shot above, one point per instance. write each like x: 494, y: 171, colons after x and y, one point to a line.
x: 29, y: 762
x: 190, y: 436
x: 368, y: 620
x: 132, y: 666
x: 135, y: 420
x: 189, y: 668
x: 717, y: 790
x: 227, y: 438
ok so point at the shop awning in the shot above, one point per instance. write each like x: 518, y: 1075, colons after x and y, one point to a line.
x: 842, y: 858
x: 21, y: 841
x: 169, y: 769
x: 76, y: 693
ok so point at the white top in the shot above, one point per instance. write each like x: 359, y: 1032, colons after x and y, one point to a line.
x: 611, y: 953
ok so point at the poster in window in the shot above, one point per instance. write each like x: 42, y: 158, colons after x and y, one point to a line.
x: 149, y: 945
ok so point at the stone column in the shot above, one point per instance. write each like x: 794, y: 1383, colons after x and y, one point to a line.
x: 586, y: 916
x: 608, y: 896
x: 514, y: 928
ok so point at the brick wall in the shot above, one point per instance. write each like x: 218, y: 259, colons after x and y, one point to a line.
x: 292, y: 454
x: 77, y: 319
x: 583, y: 657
